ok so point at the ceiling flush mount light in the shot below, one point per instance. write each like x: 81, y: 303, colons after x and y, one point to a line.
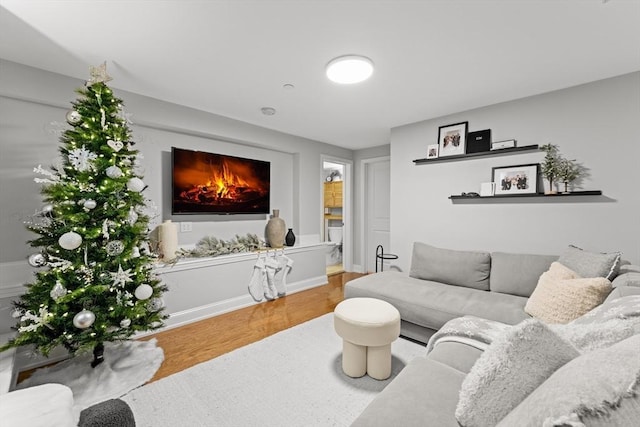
x: 349, y: 69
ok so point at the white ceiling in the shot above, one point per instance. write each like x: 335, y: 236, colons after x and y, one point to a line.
x: 231, y: 58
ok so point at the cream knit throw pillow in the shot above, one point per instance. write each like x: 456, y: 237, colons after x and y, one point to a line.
x: 562, y: 296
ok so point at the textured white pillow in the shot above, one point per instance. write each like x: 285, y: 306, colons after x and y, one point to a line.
x: 562, y: 295
x: 514, y: 365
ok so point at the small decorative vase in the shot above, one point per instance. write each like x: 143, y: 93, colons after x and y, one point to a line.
x: 275, y: 230
x: 290, y: 238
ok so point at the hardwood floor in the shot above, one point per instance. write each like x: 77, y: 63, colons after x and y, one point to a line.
x: 198, y: 342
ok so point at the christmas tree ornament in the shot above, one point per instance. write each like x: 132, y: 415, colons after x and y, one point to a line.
x: 143, y: 292
x: 16, y: 313
x: 46, y: 209
x: 135, y: 252
x: 82, y: 159
x: 115, y: 145
x: 73, y: 117
x: 135, y: 184
x: 125, y: 323
x: 89, y: 204
x: 37, y: 260
x: 84, y: 319
x: 114, y: 172
x: 121, y: 277
x: 99, y: 74
x: 115, y: 248
x: 132, y: 216
x: 58, y: 291
x: 70, y: 240
x: 155, y: 304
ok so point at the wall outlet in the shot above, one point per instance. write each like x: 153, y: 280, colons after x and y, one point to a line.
x: 186, y: 227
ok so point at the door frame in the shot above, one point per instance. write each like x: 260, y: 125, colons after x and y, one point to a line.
x: 347, y: 207
x: 364, y: 200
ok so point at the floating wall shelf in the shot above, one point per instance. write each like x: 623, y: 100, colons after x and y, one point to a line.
x: 483, y: 199
x: 494, y: 153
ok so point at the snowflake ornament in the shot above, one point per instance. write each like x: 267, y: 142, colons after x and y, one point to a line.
x: 82, y: 159
x: 38, y: 320
x: 121, y: 277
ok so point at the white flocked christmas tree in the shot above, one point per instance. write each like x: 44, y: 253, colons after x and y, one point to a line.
x: 95, y: 281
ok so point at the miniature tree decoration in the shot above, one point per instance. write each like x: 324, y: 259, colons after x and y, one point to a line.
x: 550, y: 166
x: 96, y: 283
x: 557, y: 167
x: 568, y: 171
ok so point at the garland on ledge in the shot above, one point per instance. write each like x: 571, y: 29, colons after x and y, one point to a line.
x: 210, y: 246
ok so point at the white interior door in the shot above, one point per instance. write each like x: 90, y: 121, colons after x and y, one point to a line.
x: 378, y: 209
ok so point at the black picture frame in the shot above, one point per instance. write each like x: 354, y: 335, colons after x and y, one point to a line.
x: 452, y: 139
x: 516, y: 179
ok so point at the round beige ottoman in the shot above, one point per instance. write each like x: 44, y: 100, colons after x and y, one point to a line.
x: 367, y: 326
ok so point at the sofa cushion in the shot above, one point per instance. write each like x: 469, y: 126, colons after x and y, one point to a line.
x: 425, y: 392
x: 514, y: 365
x: 517, y: 274
x: 600, y: 388
x: 591, y: 264
x: 432, y: 304
x: 562, y: 295
x: 459, y: 268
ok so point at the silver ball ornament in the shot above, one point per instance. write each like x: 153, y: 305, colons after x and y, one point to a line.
x: 70, y: 240
x: 84, y: 319
x: 155, y: 304
x: 125, y: 323
x: 37, y: 260
x: 135, y: 184
x: 114, y: 172
x: 58, y: 291
x: 89, y: 204
x: 73, y: 117
x: 143, y: 292
x: 115, y: 247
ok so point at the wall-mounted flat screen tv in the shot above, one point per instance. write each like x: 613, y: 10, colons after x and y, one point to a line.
x: 207, y: 183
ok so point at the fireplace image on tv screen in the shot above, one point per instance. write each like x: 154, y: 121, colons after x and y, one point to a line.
x: 218, y: 184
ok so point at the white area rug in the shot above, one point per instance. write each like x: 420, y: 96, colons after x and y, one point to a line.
x: 127, y: 365
x: 293, y: 378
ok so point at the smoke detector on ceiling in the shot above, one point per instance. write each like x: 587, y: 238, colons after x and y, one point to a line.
x: 268, y: 111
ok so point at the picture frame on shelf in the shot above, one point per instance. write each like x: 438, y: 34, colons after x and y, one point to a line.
x: 452, y: 139
x: 432, y: 151
x: 517, y: 179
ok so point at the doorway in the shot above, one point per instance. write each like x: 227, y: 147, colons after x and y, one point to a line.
x: 376, y: 196
x: 336, y: 175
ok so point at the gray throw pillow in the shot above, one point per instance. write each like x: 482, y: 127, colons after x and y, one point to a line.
x: 517, y: 274
x: 599, y: 388
x: 459, y: 268
x: 591, y: 264
x: 513, y: 366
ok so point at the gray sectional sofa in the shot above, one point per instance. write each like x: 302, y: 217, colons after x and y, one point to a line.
x: 443, y: 285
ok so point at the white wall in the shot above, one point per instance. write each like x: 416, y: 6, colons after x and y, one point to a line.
x: 596, y: 123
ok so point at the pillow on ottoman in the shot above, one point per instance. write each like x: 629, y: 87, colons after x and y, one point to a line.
x: 562, y: 295
x: 514, y: 365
